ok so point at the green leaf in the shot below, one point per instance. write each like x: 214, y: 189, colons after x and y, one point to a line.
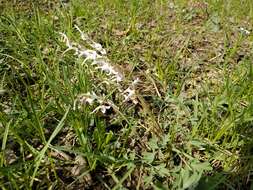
x: 43, y: 151
x: 211, y: 182
x: 198, y: 144
x: 148, y: 157
x: 147, y: 180
x: 162, y: 170
x: 189, y: 179
x: 153, y: 143
x: 205, y: 166
x: 108, y: 137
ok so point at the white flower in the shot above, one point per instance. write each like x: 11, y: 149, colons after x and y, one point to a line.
x: 135, y: 81
x: 88, y: 54
x: 106, y: 67
x: 93, y: 44
x: 98, y: 57
x: 88, y: 98
x: 102, y: 108
x: 83, y: 36
x: 68, y: 43
x: 119, y: 77
x: 99, y: 48
x: 128, y: 94
x: 65, y: 39
x: 245, y: 31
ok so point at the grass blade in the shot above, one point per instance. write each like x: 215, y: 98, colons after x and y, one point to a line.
x: 43, y: 151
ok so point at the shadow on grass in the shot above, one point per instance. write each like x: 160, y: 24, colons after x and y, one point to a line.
x: 242, y: 178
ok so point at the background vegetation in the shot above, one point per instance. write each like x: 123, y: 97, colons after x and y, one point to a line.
x: 191, y: 127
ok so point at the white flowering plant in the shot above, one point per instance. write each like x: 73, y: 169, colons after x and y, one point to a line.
x: 106, y: 77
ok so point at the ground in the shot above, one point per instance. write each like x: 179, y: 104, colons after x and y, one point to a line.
x: 169, y: 106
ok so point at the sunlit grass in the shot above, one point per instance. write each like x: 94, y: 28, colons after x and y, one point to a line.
x: 68, y: 122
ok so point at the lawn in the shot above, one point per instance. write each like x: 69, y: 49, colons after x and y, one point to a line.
x: 137, y: 94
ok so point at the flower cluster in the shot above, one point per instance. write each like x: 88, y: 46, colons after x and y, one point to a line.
x: 90, y: 98
x: 97, y: 57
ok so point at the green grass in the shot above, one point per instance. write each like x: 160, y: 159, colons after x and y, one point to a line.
x: 191, y: 128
